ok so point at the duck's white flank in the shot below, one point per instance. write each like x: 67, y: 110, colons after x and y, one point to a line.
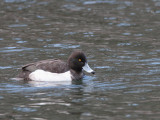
x: 41, y: 75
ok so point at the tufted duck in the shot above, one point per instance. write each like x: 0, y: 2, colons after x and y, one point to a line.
x: 57, y: 70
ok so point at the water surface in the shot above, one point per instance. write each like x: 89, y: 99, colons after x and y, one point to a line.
x: 120, y: 39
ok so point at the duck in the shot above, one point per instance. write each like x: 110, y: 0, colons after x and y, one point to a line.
x: 56, y: 69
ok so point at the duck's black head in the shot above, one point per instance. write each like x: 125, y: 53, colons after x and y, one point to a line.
x: 78, y: 61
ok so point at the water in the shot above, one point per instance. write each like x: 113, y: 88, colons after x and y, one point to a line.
x: 120, y: 39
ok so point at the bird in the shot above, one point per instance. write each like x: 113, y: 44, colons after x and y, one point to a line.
x: 56, y: 69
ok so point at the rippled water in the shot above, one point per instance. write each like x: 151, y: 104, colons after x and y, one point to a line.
x: 120, y: 39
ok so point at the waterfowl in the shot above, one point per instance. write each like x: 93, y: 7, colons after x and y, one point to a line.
x: 56, y: 69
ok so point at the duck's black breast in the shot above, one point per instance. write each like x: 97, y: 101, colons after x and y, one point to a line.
x: 51, y: 65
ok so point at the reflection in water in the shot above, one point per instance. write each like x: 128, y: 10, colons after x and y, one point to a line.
x: 63, y: 46
x: 100, y: 2
x: 120, y: 38
x: 17, y: 25
x: 48, y: 84
x: 11, y: 1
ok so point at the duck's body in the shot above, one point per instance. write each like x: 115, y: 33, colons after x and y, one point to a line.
x: 57, y: 70
x: 50, y: 65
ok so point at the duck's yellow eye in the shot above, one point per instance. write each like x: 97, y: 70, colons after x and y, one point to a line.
x: 79, y: 60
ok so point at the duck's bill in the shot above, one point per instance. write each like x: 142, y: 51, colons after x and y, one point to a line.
x: 88, y: 69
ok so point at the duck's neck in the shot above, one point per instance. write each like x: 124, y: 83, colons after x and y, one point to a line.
x: 76, y: 75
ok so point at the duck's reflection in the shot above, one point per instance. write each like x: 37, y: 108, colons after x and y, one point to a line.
x: 48, y: 84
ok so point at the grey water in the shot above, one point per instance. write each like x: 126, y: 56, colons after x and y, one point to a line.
x: 120, y: 39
